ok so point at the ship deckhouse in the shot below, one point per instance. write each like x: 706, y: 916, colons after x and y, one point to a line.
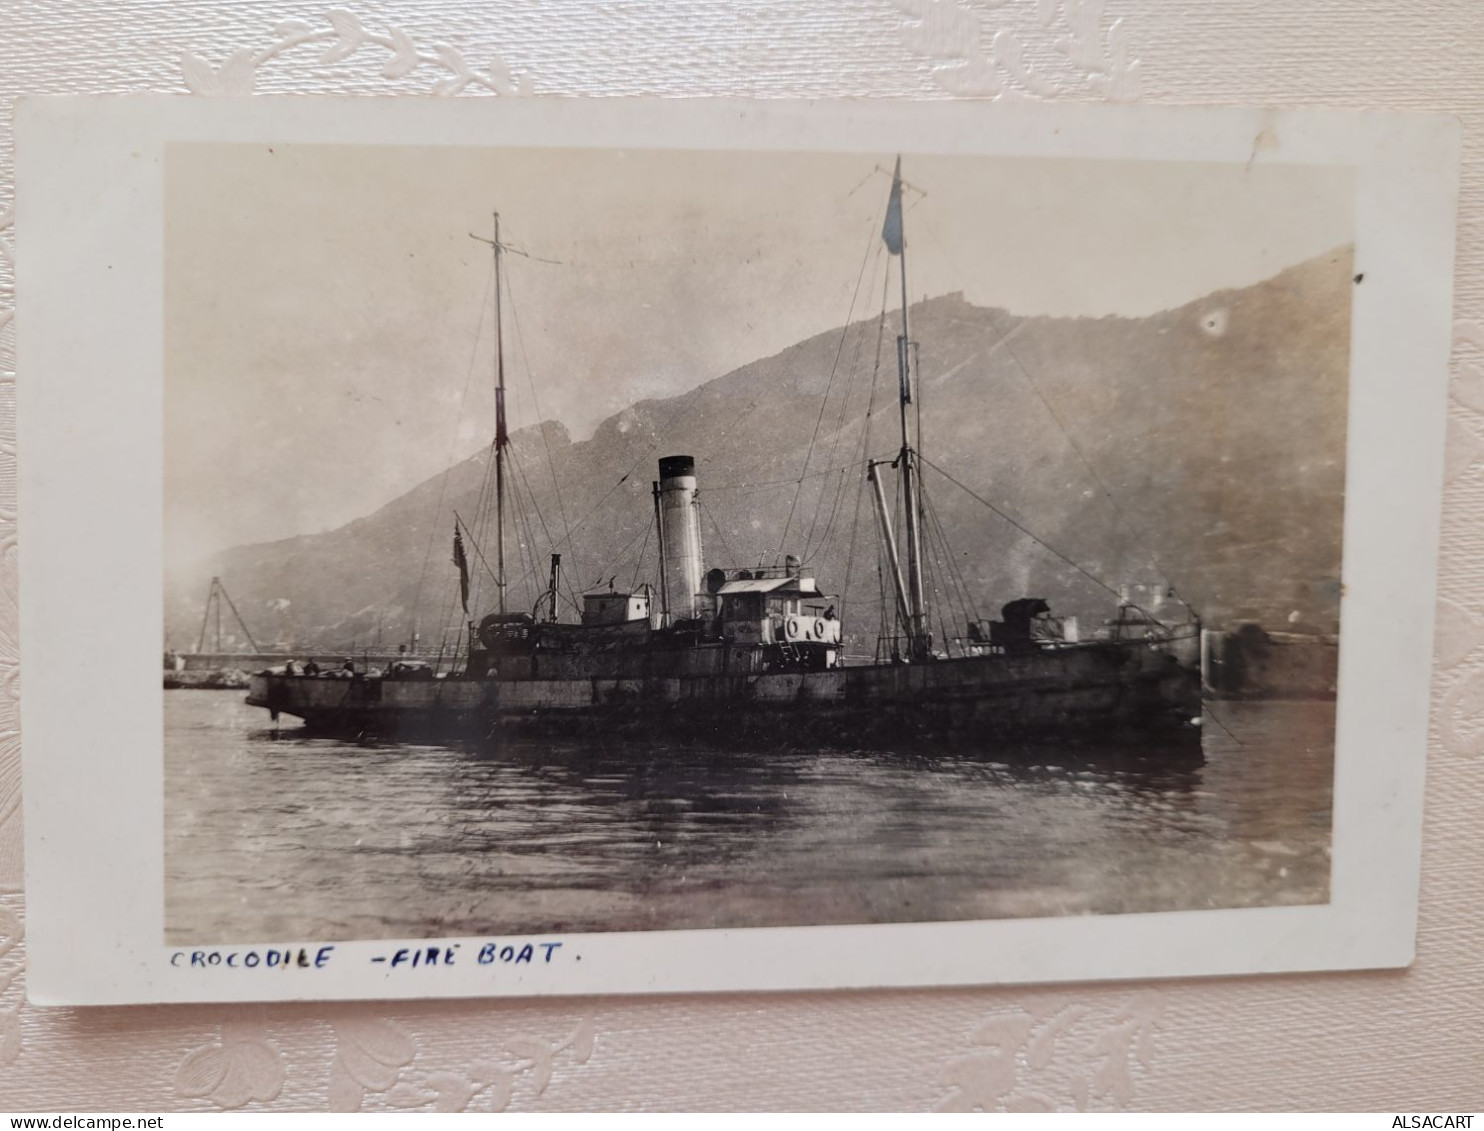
x: 788, y: 609
x: 610, y: 607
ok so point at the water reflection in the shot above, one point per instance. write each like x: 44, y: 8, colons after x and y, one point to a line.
x: 285, y: 836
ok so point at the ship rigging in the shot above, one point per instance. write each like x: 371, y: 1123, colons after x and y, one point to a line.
x: 915, y: 558
x: 755, y: 649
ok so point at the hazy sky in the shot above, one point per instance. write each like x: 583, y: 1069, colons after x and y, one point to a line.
x: 326, y: 308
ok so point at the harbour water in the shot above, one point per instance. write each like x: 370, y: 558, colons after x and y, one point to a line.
x: 273, y: 836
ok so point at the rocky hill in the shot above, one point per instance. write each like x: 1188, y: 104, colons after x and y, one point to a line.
x: 1200, y: 447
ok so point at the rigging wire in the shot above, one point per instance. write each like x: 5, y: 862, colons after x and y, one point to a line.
x: 620, y: 558
x: 627, y: 264
x: 865, y: 443
x: 784, y: 482
x: 550, y: 541
x: 883, y: 630
x: 860, y: 489
x: 1005, y: 340
x: 893, y: 625
x: 534, y: 568
x: 615, y: 265
x: 472, y: 544
x: 1215, y: 718
x: 525, y: 550
x: 578, y: 525
x: 482, y: 507
x: 520, y: 343
x: 811, y: 549
x: 581, y: 522
x: 721, y: 536
x: 1099, y: 582
x: 934, y: 608
x: 850, y: 551
x: 960, y: 586
x: 866, y: 421
x: 639, y: 561
x: 829, y: 384
x: 839, y: 431
x: 616, y: 560
x: 1118, y: 512
x: 958, y: 593
x: 453, y: 448
x: 902, y: 625
x: 443, y: 629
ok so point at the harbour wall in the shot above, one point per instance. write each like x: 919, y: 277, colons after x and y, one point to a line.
x: 1252, y: 663
x: 256, y: 662
x: 1245, y: 663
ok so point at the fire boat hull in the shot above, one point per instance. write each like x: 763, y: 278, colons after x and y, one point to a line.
x: 1113, y: 690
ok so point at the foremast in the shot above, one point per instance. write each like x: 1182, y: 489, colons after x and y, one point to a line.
x: 502, y: 435
x: 911, y: 605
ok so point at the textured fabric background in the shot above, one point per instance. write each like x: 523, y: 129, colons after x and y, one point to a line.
x: 1401, y: 1040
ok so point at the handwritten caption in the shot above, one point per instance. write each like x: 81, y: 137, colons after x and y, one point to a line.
x: 402, y: 958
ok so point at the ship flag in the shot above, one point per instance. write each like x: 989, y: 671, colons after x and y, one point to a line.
x: 461, y: 560
x: 891, y: 231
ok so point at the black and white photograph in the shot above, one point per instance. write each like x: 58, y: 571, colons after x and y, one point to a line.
x: 616, y: 540
x: 643, y: 547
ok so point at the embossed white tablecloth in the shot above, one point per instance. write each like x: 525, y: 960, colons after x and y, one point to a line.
x: 1399, y: 1040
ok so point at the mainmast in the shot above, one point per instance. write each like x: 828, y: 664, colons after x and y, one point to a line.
x: 919, y: 643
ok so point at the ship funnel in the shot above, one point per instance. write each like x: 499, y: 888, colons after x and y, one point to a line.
x: 680, y: 531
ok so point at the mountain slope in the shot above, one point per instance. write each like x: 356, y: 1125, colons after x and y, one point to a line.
x: 1201, y: 447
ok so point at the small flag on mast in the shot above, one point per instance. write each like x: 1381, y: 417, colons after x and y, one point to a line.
x: 891, y: 231
x: 462, y: 561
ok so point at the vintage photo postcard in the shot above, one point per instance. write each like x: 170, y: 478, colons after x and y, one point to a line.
x: 563, y: 547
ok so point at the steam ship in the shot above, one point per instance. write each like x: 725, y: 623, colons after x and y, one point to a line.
x: 757, y: 655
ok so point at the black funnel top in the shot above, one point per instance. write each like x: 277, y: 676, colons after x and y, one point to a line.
x: 674, y: 466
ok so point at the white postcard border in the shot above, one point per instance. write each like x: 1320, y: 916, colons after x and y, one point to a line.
x: 89, y: 223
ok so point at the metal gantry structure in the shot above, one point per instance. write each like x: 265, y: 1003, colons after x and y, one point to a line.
x: 215, y: 597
